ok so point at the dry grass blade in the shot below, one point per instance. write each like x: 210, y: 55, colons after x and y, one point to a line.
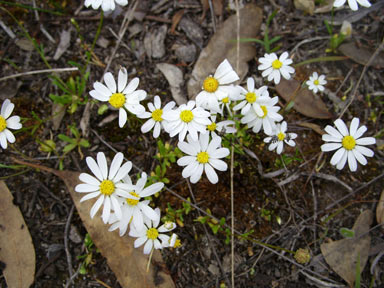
x: 128, y: 264
x: 17, y: 251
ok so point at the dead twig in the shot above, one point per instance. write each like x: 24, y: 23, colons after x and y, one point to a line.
x: 66, y: 231
x: 56, y: 70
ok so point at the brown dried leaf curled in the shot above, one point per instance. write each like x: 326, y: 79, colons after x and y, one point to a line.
x: 342, y: 255
x: 17, y: 251
x: 305, y: 101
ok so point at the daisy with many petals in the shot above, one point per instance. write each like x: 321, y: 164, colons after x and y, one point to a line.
x: 151, y: 234
x: 251, y: 97
x: 348, y: 144
x: 316, y: 82
x: 106, y: 186
x: 120, y: 96
x: 202, y: 156
x: 155, y: 117
x: 7, y: 123
x: 279, y: 137
x: 187, y: 119
x: 267, y: 120
x: 216, y: 88
x: 352, y: 4
x: 106, y: 5
x: 275, y: 67
x: 135, y: 209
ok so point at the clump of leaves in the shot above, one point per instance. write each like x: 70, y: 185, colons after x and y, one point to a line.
x: 74, y: 142
x: 216, y: 226
x: 87, y: 258
x: 177, y: 215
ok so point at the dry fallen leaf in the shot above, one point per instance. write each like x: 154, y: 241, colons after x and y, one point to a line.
x: 128, y: 264
x: 217, y: 7
x: 16, y: 247
x: 313, y: 126
x: 362, y: 54
x: 222, y: 46
x: 342, y: 255
x: 380, y: 209
x: 174, y: 76
x: 175, y: 20
x: 307, y: 6
x: 305, y: 101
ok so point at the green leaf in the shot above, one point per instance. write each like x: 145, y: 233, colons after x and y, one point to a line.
x: 84, y: 143
x: 347, y: 233
x: 63, y: 100
x: 69, y: 147
x: 274, y: 39
x: 65, y: 138
x: 102, y: 109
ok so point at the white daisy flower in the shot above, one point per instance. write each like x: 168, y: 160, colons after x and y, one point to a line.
x: 352, y: 4
x: 156, y: 117
x: 173, y: 242
x: 122, y: 96
x: 316, y: 82
x: 107, y: 186
x: 150, y: 234
x: 187, y: 119
x: 348, y: 144
x: 216, y: 88
x: 202, y: 156
x: 280, y: 136
x: 7, y: 123
x: 106, y: 5
x: 133, y: 209
x: 226, y: 126
x: 267, y: 120
x: 251, y: 97
x: 274, y: 67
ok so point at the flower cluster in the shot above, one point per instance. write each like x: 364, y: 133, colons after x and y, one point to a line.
x: 7, y: 123
x: 123, y: 202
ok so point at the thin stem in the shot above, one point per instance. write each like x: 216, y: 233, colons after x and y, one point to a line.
x: 150, y: 258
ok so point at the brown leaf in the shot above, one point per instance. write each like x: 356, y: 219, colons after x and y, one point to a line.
x: 362, y: 54
x: 17, y: 251
x: 223, y: 46
x: 217, y: 7
x: 380, y: 209
x: 342, y: 255
x: 305, y: 101
x: 175, y: 20
x: 128, y: 264
x: 313, y: 126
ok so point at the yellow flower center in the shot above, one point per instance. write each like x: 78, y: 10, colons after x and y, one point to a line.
x: 281, y: 136
x: 133, y: 202
x: 316, y: 82
x: 152, y: 233
x: 117, y: 100
x: 212, y: 126
x: 186, y: 116
x: 250, y: 97
x: 156, y: 115
x: 277, y: 64
x: 265, y: 111
x: 225, y: 100
x: 177, y: 243
x: 348, y: 142
x: 202, y: 157
x: 107, y: 187
x: 3, y: 124
x: 210, y: 84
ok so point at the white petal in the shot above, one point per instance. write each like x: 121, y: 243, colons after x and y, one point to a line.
x: 102, y: 163
x: 196, y: 175
x: 94, y: 168
x: 85, y: 188
x: 211, y: 174
x: 140, y: 241
x: 148, y: 246
x: 152, y: 189
x: 342, y: 161
x: 10, y: 137
x: 132, y: 86
x: 337, y: 156
x: 116, y: 207
x: 366, y: 141
x: 122, y: 79
x: 353, y: 127
x: 90, y: 196
x: 330, y: 147
x: 6, y: 110
x: 364, y: 150
x: 218, y: 164
x: 14, y: 122
x: 89, y: 179
x: 3, y: 140
x: 149, y: 212
x: 333, y: 132
x: 115, y: 165
x: 359, y: 157
x: 123, y: 171
x: 342, y: 127
x: 97, y: 206
x: 106, y: 210
x: 352, y: 161
x: 122, y: 117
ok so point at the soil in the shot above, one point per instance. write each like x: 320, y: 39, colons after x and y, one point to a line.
x: 285, y: 217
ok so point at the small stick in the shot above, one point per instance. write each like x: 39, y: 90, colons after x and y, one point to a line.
x: 66, y: 231
x: 55, y: 70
